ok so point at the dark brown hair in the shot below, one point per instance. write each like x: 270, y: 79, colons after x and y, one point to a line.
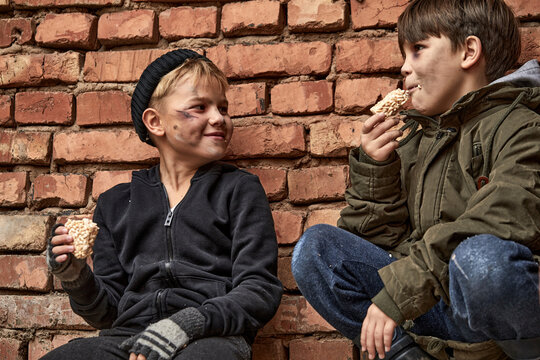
x: 492, y: 21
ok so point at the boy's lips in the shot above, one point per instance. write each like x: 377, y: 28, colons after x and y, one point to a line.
x: 216, y: 134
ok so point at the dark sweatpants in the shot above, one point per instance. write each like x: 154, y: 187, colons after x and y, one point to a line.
x: 106, y: 348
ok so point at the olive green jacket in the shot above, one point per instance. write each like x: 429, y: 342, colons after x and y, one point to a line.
x: 422, y: 202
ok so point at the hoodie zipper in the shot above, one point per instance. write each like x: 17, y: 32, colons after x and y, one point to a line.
x: 168, y: 240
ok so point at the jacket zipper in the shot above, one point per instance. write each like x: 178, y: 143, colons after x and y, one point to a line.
x: 168, y: 240
x: 438, y: 136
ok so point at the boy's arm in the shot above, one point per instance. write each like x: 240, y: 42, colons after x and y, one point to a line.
x: 95, y: 295
x: 507, y: 207
x: 377, y: 209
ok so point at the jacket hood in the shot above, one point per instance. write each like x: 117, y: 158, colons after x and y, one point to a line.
x: 527, y: 75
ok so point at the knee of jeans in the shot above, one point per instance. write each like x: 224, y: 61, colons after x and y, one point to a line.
x: 477, y: 264
x: 305, y: 250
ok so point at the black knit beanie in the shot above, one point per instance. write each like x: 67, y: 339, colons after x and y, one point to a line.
x: 148, y: 83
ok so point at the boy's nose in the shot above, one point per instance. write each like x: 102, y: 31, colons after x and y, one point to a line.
x: 405, y: 68
x: 216, y: 117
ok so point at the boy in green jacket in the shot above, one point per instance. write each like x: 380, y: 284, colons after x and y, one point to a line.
x: 439, y: 243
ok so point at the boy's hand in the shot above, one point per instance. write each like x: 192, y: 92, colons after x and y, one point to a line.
x: 377, y: 332
x: 60, y: 259
x: 377, y: 141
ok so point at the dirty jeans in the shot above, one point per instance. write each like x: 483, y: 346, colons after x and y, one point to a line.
x: 493, y: 286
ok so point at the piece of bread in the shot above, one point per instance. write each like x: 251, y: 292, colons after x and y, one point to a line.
x: 391, y: 103
x: 84, y: 233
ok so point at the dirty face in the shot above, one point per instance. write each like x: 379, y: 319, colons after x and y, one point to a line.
x: 196, y: 121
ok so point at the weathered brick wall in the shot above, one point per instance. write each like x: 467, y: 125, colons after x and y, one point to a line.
x: 303, y: 73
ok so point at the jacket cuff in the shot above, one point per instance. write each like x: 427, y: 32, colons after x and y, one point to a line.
x: 388, y: 306
x: 191, y: 321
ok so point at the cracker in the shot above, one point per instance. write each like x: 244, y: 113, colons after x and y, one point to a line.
x: 391, y: 103
x: 84, y: 233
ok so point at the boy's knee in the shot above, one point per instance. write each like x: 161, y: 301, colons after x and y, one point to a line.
x: 307, y: 248
x: 482, y: 262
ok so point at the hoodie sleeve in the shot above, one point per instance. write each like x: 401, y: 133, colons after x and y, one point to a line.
x: 95, y: 296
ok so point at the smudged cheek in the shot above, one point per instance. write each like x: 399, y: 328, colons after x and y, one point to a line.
x: 186, y: 137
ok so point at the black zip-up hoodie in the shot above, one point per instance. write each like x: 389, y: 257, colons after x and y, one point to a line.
x: 216, y: 253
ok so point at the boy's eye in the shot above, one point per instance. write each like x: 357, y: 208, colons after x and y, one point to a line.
x: 223, y: 110
x: 418, y: 47
x: 200, y: 107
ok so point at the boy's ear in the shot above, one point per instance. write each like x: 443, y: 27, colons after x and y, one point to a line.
x: 472, y: 52
x: 152, y: 121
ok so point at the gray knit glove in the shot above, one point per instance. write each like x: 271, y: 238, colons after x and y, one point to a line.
x: 69, y: 271
x: 162, y: 340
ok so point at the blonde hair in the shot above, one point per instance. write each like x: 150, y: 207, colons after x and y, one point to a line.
x: 198, y: 70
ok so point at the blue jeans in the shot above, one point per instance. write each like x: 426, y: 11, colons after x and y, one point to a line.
x: 493, y: 286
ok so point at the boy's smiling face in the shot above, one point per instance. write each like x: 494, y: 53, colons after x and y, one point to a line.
x: 196, y: 123
x: 433, y: 75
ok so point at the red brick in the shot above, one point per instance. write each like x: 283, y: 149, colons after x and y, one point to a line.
x: 40, y: 346
x: 128, y: 27
x: 267, y: 141
x: 269, y: 349
x: 316, y: 15
x: 101, y: 147
x: 334, y: 137
x: 274, y: 182
x: 24, y: 147
x: 321, y: 349
x: 21, y: 70
x: 11, y: 348
x: 62, y: 67
x: 6, y: 111
x: 296, y: 316
x: 18, y: 30
x: 285, y: 273
x: 28, y: 312
x: 4, y: 5
x: 71, y: 30
x: 66, y: 190
x: 323, y: 183
x: 104, y: 180
x: 24, y: 232
x: 355, y: 95
x: 305, y: 97
x: 252, y: 17
x: 22, y: 272
x: 376, y: 13
x: 244, y: 61
x: 118, y: 66
x: 65, y: 3
x: 43, y: 108
x: 368, y: 55
x: 323, y: 216
x: 103, y: 108
x: 188, y: 22
x: 525, y: 9
x: 247, y: 99
x: 13, y: 189
x: 530, y: 44
x: 31, y: 70
x: 288, y: 225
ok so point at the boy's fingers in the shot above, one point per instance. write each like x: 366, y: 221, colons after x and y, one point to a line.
x: 379, y: 340
x: 62, y: 249
x: 372, y: 122
x: 61, y: 230
x: 388, y: 334
x: 61, y: 239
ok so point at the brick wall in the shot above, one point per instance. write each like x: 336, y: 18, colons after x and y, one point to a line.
x: 303, y: 73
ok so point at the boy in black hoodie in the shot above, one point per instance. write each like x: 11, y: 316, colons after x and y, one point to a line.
x: 184, y: 264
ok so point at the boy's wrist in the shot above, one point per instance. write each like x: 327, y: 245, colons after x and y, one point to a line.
x: 386, y: 304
